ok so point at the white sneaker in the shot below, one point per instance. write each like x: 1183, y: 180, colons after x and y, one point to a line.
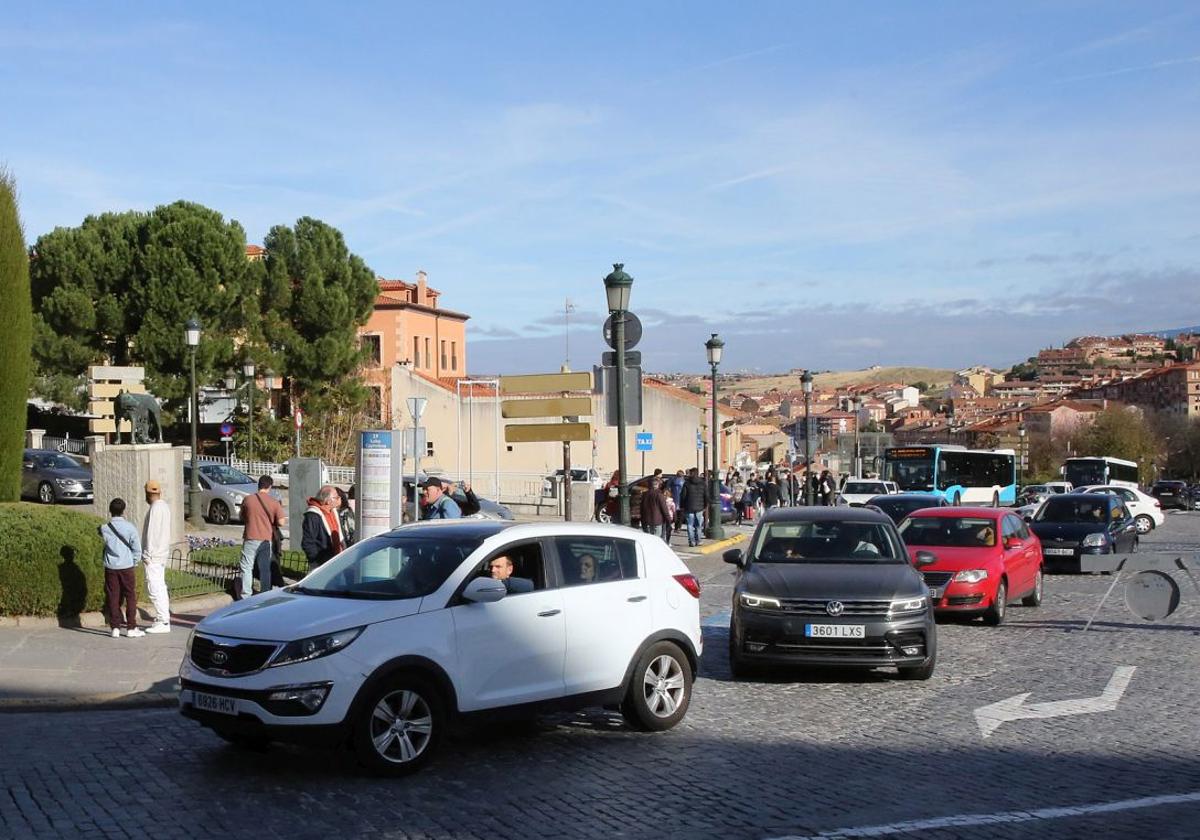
x: 136, y: 633
x: 159, y: 628
x: 116, y: 633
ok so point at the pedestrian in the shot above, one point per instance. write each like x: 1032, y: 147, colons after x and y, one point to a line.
x: 677, y: 483
x: 346, y: 517
x: 261, y: 516
x: 694, y: 500
x: 668, y: 526
x: 770, y: 495
x: 828, y: 488
x: 814, y: 486
x: 156, y: 551
x: 466, y: 500
x: 738, y: 493
x: 321, y: 530
x: 122, y: 553
x: 438, y: 505
x: 653, y: 510
x: 793, y: 488
x: 607, y: 495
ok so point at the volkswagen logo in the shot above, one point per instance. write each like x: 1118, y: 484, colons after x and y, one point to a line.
x: 220, y: 657
x: 834, y: 608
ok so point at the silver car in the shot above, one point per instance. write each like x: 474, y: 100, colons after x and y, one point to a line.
x: 222, y: 489
x: 52, y: 477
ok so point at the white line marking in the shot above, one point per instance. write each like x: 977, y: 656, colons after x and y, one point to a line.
x: 991, y: 716
x: 961, y: 820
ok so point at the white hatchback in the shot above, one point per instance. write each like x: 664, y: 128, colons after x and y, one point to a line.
x: 394, y: 640
x: 1146, y: 510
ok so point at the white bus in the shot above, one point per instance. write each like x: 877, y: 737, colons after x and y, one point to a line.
x: 1082, y: 472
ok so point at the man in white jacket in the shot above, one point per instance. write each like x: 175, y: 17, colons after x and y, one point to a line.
x: 156, y: 549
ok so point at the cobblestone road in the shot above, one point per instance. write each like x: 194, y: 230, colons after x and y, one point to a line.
x: 801, y: 755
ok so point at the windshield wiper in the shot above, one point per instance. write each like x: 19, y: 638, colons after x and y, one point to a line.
x: 320, y: 593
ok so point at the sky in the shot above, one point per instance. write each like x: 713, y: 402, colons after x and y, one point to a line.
x: 826, y: 185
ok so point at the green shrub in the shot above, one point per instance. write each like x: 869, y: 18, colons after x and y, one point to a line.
x: 15, y: 340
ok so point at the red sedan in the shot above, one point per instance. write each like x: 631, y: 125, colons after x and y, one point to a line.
x: 986, y: 558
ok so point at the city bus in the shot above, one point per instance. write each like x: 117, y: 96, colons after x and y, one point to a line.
x: 957, y: 474
x: 1082, y: 472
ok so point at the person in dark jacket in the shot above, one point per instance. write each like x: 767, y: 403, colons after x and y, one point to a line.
x: 464, y: 496
x: 322, y: 529
x: 677, y: 482
x: 770, y: 493
x: 828, y: 487
x: 655, y: 514
x: 694, y: 500
x: 346, y: 517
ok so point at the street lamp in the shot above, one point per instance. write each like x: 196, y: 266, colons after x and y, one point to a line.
x: 617, y: 286
x: 806, y: 382
x: 856, y: 404
x: 191, y: 337
x: 714, y: 346
x: 1020, y: 455
x: 416, y: 407
x: 248, y: 371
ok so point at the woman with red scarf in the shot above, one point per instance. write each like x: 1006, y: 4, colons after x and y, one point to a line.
x: 322, y: 537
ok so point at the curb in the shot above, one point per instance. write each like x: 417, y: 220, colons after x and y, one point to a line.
x: 720, y: 544
x: 100, y: 620
x: 91, y: 702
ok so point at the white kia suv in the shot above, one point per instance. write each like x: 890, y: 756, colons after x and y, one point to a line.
x: 394, y: 640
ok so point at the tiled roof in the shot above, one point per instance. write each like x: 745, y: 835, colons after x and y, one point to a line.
x: 255, y: 250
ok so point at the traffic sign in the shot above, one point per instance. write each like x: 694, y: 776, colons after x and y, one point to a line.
x: 633, y: 358
x: 297, y: 419
x: 546, y: 383
x: 546, y: 432
x: 633, y: 332
x: 699, y: 440
x: 645, y: 441
x: 226, y: 429
x: 549, y: 407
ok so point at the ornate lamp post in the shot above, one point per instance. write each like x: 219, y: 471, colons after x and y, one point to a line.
x: 248, y: 372
x: 806, y: 381
x: 714, y: 346
x: 191, y: 337
x: 617, y: 286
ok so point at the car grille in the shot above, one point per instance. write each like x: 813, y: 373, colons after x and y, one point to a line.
x: 811, y: 606
x: 936, y: 579
x: 241, y: 658
x: 837, y: 647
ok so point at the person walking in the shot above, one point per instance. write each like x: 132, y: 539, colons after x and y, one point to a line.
x: 322, y: 530
x: 669, y: 525
x: 653, y: 510
x: 677, y: 482
x: 738, y: 493
x: 122, y: 553
x: 694, y: 500
x: 438, y: 505
x: 261, y: 515
x: 828, y: 488
x: 770, y: 493
x: 156, y: 551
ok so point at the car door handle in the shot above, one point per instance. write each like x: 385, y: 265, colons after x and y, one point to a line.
x: 548, y: 613
x: 635, y: 598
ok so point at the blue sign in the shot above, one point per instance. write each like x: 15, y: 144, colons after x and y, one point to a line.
x: 226, y: 429
x: 376, y: 440
x: 645, y: 441
x: 699, y: 440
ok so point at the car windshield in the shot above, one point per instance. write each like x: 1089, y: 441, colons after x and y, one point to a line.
x: 391, y: 566
x: 949, y: 531
x: 1068, y: 508
x: 54, y: 461
x: 221, y: 474
x: 864, y: 487
x: 825, y: 542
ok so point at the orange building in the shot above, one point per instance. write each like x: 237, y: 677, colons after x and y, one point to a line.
x: 408, y: 327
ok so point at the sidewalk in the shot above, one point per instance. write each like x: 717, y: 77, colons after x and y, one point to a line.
x: 45, y: 667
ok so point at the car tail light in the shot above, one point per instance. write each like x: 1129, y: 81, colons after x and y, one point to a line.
x: 690, y: 583
x: 1157, y: 503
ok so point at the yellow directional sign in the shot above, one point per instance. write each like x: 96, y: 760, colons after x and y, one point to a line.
x: 547, y: 432
x: 546, y: 383
x: 551, y: 407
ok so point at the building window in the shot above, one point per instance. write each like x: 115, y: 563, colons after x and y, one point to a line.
x: 416, y: 360
x: 454, y: 355
x: 428, y: 355
x: 373, y: 348
x: 443, y: 354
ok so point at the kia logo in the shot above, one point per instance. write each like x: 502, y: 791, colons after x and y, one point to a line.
x: 220, y: 657
x: 834, y: 608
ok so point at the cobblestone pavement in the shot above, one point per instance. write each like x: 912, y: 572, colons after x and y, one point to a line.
x: 799, y: 755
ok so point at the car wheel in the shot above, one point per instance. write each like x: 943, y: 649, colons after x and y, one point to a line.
x: 46, y: 493
x: 1144, y: 524
x: 994, y: 615
x: 603, y: 516
x: 218, y: 513
x: 399, y: 726
x: 1034, y: 598
x: 661, y: 689
x: 252, y: 743
x: 920, y: 672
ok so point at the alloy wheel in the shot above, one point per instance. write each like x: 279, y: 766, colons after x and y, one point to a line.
x: 401, y: 726
x: 46, y: 493
x: 663, y: 685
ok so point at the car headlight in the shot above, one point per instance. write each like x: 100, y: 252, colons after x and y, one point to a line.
x: 970, y: 576
x: 1094, y: 540
x: 187, y: 648
x: 907, y: 605
x: 238, y: 498
x: 314, y: 648
x: 759, y: 602
x: 66, y: 482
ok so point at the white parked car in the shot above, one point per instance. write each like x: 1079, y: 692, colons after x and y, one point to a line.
x: 1146, y: 511
x: 858, y: 491
x: 394, y: 640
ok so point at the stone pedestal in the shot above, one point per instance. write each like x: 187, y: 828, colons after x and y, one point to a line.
x: 123, y: 471
x: 304, y: 480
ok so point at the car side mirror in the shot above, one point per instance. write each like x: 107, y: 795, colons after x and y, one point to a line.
x: 1012, y: 542
x: 734, y: 556
x: 924, y: 558
x: 484, y: 590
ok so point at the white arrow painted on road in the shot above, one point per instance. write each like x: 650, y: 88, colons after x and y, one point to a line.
x: 991, y: 716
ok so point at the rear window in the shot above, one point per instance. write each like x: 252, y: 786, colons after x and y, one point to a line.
x: 1069, y: 508
x: 864, y: 487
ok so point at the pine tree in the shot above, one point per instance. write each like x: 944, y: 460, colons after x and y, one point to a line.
x: 16, y: 339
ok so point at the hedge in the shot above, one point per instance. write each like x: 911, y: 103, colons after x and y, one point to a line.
x: 51, y: 563
x: 15, y: 340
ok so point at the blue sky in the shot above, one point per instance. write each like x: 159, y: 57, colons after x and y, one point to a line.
x: 830, y: 185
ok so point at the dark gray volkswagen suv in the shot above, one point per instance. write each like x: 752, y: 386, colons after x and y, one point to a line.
x: 830, y: 587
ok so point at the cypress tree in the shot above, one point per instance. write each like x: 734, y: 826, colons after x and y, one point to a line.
x: 15, y: 340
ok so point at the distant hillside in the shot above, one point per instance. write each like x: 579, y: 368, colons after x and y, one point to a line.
x: 1174, y: 332
x: 934, y: 377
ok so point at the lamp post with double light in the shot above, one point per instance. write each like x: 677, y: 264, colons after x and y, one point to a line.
x: 715, y: 346
x: 617, y: 286
x: 806, y: 381
x: 191, y: 337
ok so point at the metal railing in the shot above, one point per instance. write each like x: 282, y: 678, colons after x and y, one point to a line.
x: 70, y: 445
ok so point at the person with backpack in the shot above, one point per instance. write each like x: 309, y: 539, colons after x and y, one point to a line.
x: 122, y: 553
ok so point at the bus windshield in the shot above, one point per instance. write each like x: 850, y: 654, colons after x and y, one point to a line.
x: 911, y: 474
x: 1085, y: 473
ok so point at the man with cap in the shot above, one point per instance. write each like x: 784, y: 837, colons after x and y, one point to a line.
x: 438, y: 505
x: 156, y: 550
